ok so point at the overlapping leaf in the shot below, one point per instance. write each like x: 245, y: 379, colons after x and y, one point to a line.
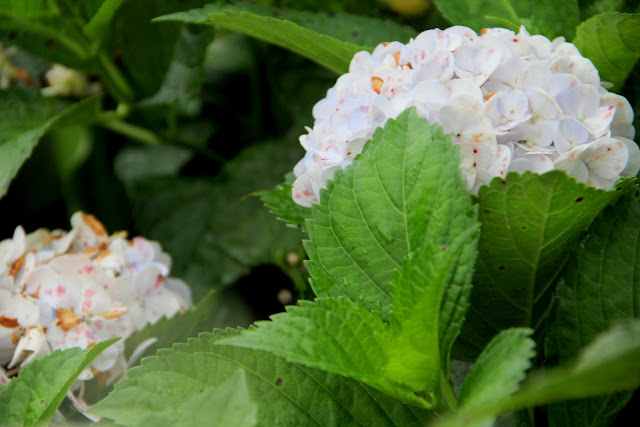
x: 430, y: 239
x: 182, y: 83
x: 554, y: 18
x: 610, y: 363
x: 610, y: 41
x: 147, y: 48
x: 499, y: 370
x: 600, y: 287
x: 328, y: 39
x: 35, y: 394
x: 342, y: 337
x: 530, y: 225
x: 404, y: 192
x: 176, y: 399
x: 281, y: 390
x: 26, y: 118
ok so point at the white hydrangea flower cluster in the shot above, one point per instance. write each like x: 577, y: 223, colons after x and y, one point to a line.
x: 513, y: 102
x: 74, y: 289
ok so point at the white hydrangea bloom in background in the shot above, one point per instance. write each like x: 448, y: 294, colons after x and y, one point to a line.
x: 513, y: 102
x: 75, y: 289
x: 63, y: 81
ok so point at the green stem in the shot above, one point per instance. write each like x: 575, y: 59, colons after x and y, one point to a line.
x: 119, y: 85
x: 448, y: 393
x: 134, y: 132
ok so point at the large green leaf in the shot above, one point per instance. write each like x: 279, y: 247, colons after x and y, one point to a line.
x: 147, y: 48
x: 530, y: 224
x: 175, y: 399
x: 610, y: 363
x: 26, y: 117
x: 600, y: 288
x: 361, y: 30
x: 424, y: 227
x: 35, y: 394
x: 610, y: 41
x: 403, y: 193
x: 284, y: 392
x: 182, y: 83
x: 213, y: 233
x: 552, y: 17
x: 329, y: 40
x: 340, y: 336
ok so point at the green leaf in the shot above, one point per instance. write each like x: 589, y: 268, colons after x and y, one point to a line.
x: 499, y: 370
x: 283, y: 391
x: 70, y: 147
x: 403, y: 193
x: 97, y: 27
x: 610, y: 363
x: 28, y: 8
x: 148, y: 49
x: 256, y: 20
x: 597, y: 7
x: 26, y: 118
x: 530, y: 224
x: 557, y: 18
x: 179, y: 328
x: 335, y: 335
x: 134, y: 164
x: 213, y: 233
x: 415, y: 356
x: 361, y: 30
x: 610, y: 41
x: 182, y: 83
x: 424, y: 226
x: 280, y: 202
x: 35, y: 394
x: 600, y: 287
x: 175, y: 399
x: 48, y: 29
